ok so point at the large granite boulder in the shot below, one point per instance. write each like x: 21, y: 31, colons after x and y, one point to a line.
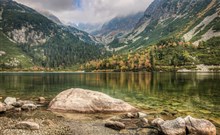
x: 199, y: 126
x: 87, y: 101
x: 174, y: 127
x: 188, y: 125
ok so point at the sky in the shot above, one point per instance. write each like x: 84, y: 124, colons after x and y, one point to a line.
x: 88, y: 11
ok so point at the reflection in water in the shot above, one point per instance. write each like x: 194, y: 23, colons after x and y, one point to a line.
x: 184, y: 92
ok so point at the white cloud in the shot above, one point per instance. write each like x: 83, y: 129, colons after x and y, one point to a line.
x: 88, y: 11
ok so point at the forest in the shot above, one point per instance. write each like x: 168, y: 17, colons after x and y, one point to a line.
x: 167, y: 55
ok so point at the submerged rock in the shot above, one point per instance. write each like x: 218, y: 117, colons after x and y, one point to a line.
x: 27, y: 125
x: 9, y: 100
x: 80, y: 100
x: 115, y: 125
x: 199, y: 126
x: 41, y: 99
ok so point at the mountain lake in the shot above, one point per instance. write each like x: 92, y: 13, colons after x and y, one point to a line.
x: 180, y: 94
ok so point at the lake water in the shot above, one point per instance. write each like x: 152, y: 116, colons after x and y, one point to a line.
x: 197, y: 94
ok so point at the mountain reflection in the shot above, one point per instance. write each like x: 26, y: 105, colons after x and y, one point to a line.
x: 150, y: 89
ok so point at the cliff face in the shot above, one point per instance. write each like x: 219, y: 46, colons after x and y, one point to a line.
x: 118, y: 27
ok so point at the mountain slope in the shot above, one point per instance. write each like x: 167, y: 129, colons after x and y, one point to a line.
x: 180, y: 18
x: 172, y: 35
x: 117, y: 28
x: 11, y: 56
x: 48, y: 44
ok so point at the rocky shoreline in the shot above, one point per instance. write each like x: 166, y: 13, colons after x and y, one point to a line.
x: 24, y: 117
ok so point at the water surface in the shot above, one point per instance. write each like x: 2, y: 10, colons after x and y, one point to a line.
x: 186, y: 93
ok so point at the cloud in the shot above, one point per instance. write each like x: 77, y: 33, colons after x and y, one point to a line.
x: 88, y: 11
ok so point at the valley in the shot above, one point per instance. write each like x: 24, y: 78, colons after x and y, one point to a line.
x: 109, y: 67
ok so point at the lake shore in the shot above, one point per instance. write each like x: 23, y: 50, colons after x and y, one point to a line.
x: 63, y: 123
x: 150, y: 99
x: 201, y: 68
x: 58, y: 123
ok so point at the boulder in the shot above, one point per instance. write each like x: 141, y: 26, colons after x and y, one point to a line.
x: 156, y: 122
x: 29, y: 107
x: 2, y: 107
x: 173, y: 127
x: 9, y: 100
x: 199, y: 126
x: 115, y: 125
x: 27, y: 125
x: 87, y: 101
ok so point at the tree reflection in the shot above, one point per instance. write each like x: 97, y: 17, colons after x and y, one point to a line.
x: 190, y: 90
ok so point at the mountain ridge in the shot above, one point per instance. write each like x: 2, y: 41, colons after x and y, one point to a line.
x: 163, y: 19
x: 47, y: 43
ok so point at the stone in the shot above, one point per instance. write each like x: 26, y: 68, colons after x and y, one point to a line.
x: 173, y: 127
x: 18, y: 104
x: 17, y: 109
x: 115, y: 125
x: 27, y: 125
x: 9, y: 107
x: 131, y: 115
x: 131, y: 123
x: 29, y: 107
x: 2, y: 107
x: 141, y: 115
x: 199, y: 126
x: 144, y: 122
x: 157, y: 122
x: 9, y: 100
x: 87, y: 101
x: 41, y: 99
